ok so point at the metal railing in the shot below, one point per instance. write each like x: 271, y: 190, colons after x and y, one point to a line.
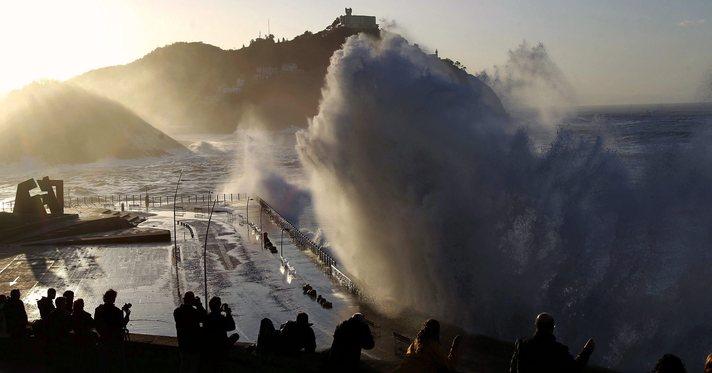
x: 302, y: 241
x: 140, y: 201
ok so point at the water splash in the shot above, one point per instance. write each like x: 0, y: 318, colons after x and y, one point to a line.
x: 437, y: 202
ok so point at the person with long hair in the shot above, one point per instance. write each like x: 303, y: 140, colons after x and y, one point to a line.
x: 425, y: 353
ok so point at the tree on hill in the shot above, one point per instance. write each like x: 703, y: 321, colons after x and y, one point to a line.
x: 195, y: 85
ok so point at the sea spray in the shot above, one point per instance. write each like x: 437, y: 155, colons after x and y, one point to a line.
x: 532, y: 87
x: 262, y: 171
x: 435, y: 201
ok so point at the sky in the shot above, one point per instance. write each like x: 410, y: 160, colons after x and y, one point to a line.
x: 613, y: 52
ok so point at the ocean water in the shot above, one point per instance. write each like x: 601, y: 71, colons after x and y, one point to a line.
x: 638, y: 136
x: 633, y: 133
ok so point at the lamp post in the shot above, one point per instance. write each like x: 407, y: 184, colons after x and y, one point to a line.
x: 205, y: 255
x: 247, y: 211
x: 175, y: 236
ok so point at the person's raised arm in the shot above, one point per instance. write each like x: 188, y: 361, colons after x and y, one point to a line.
x: 229, y: 323
x: 585, y: 354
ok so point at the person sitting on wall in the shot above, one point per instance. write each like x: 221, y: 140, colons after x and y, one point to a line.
x: 69, y: 300
x: 268, y: 338
x: 82, y: 322
x: 425, y: 354
x: 3, y: 325
x: 542, y: 353
x: 59, y: 324
x: 46, y: 304
x: 85, y: 337
x: 15, y: 316
x: 350, y: 337
x: 297, y: 336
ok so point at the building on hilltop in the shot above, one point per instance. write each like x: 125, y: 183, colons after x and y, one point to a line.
x: 357, y: 22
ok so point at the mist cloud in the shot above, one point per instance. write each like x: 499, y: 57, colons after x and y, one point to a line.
x: 437, y: 202
x: 531, y: 80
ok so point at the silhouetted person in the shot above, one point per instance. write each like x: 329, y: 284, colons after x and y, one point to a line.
x: 58, y: 325
x: 59, y: 322
x: 46, y: 304
x: 268, y: 338
x: 708, y: 364
x: 110, y: 323
x: 69, y: 300
x: 3, y: 325
x: 82, y: 322
x: 84, y: 347
x: 188, y: 317
x: 542, y: 353
x: 110, y: 320
x: 669, y: 363
x: 350, y: 337
x: 298, y: 335
x: 217, y: 341
x: 15, y: 315
x: 425, y: 354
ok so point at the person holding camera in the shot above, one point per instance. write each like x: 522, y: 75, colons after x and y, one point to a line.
x: 217, y: 324
x: 110, y: 320
x: 188, y: 317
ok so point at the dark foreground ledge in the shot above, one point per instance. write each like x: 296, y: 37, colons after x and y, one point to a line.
x: 151, y: 353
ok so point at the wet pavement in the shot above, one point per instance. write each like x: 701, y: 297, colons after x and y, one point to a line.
x: 247, y: 277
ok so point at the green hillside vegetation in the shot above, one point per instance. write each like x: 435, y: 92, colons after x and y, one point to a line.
x: 59, y: 123
x: 201, y: 87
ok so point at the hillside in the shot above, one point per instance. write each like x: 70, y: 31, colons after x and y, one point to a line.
x: 200, y: 87
x: 59, y: 123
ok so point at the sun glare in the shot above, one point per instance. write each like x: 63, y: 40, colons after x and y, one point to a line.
x: 59, y: 39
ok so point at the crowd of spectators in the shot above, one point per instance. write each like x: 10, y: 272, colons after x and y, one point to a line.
x: 76, y: 341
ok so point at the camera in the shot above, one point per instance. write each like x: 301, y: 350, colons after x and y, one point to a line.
x: 126, y: 307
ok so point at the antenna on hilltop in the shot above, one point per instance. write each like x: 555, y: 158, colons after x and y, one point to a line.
x: 268, y: 31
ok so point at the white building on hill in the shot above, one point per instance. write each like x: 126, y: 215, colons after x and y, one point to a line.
x: 358, y: 22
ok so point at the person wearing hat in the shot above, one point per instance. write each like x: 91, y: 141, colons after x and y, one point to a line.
x: 350, y: 337
x: 298, y: 335
x: 542, y: 353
